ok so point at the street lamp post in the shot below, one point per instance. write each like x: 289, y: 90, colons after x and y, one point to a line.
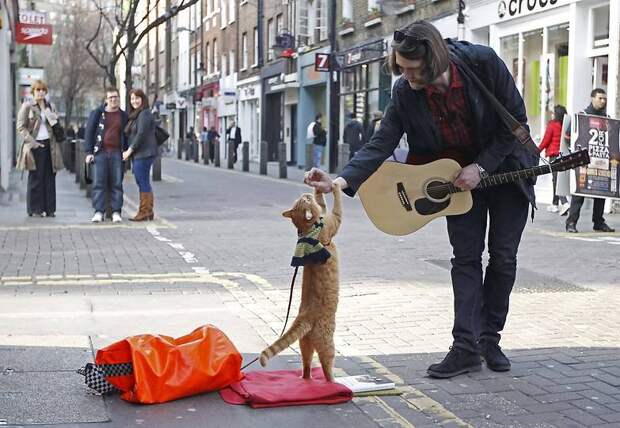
x: 334, y: 87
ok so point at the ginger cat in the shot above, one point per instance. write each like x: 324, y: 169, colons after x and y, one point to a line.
x: 316, y: 321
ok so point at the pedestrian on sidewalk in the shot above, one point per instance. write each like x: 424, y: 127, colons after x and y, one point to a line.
x: 373, y: 125
x: 39, y: 153
x: 140, y: 131
x: 320, y: 141
x: 353, y: 135
x: 212, y: 137
x: 597, y: 107
x: 551, y: 145
x: 233, y: 136
x: 435, y: 83
x: 104, y: 144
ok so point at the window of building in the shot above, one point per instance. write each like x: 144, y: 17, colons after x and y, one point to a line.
x: 600, y: 26
x: 244, y: 51
x: 373, y: 5
x: 224, y: 65
x: 278, y: 24
x: 347, y: 9
x: 209, y: 63
x: 271, y: 39
x: 255, y: 50
x: 223, y: 13
x: 216, y: 67
x: 231, y: 11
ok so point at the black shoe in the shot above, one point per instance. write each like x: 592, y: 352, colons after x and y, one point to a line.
x: 494, y: 357
x: 456, y: 362
x: 50, y: 214
x: 571, y: 228
x: 603, y: 228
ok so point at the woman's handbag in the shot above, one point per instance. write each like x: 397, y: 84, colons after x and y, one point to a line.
x: 59, y: 132
x: 161, y: 135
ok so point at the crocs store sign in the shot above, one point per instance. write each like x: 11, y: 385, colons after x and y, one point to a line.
x: 507, y: 9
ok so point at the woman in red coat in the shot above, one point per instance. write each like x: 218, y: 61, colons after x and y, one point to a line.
x: 551, y: 144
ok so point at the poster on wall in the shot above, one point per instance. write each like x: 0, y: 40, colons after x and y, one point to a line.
x: 601, y: 177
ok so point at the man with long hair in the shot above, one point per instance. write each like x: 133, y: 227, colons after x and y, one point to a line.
x: 446, y: 115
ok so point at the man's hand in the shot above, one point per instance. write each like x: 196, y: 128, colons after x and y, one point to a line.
x: 318, y: 179
x: 127, y: 153
x: 468, y: 178
x: 89, y: 158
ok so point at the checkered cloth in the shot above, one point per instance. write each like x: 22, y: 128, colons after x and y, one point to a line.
x: 95, y: 375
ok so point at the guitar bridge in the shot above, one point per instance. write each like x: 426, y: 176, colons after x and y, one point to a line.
x: 403, y: 197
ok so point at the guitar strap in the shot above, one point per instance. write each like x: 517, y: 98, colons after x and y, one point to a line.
x: 516, y: 128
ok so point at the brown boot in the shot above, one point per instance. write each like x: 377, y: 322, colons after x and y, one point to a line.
x: 144, y: 212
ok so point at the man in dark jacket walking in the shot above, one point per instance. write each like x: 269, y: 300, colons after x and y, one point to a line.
x: 445, y: 115
x: 598, y: 107
x: 353, y: 135
x: 104, y: 143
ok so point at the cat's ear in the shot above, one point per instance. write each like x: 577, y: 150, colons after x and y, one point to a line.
x: 309, y: 215
x: 288, y: 214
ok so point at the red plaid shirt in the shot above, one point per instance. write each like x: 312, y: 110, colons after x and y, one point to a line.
x: 451, y: 115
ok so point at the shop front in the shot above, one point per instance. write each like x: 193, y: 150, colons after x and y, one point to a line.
x: 312, y: 100
x: 272, y: 110
x: 365, y: 82
x: 249, y: 91
x: 556, y: 50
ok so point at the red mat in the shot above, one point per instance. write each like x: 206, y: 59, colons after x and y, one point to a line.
x: 285, y: 388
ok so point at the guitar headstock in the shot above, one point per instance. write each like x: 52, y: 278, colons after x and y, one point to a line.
x: 571, y: 160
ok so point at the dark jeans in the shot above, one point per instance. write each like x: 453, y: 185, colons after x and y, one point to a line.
x: 108, y: 177
x: 481, y: 306
x: 576, y: 203
x: 556, y: 199
x: 41, y: 190
x: 142, y: 173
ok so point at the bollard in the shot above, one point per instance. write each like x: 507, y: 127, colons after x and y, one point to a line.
x: 196, y: 152
x: 216, y: 156
x: 76, y: 156
x: 263, y: 158
x: 282, y: 159
x: 187, y: 144
x: 309, y: 157
x: 81, y: 166
x: 245, y: 154
x: 231, y: 153
x: 179, y: 149
x: 343, y: 156
x: 205, y: 153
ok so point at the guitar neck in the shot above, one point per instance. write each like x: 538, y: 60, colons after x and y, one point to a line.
x: 508, y: 177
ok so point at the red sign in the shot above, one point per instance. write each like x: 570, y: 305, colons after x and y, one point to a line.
x: 33, y: 34
x: 321, y: 62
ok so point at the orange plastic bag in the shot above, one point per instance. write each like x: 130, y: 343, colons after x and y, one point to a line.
x: 165, y: 368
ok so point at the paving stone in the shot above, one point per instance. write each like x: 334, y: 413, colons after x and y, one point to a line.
x: 581, y: 417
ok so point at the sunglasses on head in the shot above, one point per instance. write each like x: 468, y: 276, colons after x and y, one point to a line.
x: 401, y: 36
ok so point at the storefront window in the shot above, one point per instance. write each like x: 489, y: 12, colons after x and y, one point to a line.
x: 600, y: 26
x: 556, y: 75
x: 509, y: 53
x: 532, y: 53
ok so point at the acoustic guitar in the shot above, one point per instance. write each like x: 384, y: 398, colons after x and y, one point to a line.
x: 401, y: 198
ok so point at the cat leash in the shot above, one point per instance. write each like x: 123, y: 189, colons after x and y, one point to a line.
x: 288, y: 311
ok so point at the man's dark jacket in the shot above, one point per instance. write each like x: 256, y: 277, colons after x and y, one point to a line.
x: 353, y: 135
x: 408, y: 112
x: 95, y: 130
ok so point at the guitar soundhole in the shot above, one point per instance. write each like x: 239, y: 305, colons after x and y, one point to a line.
x: 437, y: 191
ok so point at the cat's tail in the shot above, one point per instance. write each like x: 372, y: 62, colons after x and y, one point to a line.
x: 298, y: 330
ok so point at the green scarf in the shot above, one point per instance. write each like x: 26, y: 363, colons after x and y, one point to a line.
x: 309, y: 249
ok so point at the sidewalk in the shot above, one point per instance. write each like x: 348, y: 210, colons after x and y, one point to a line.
x: 68, y: 287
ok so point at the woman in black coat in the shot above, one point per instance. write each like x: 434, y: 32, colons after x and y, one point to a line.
x: 140, y: 131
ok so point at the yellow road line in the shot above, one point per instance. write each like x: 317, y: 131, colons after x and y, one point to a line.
x: 414, y: 398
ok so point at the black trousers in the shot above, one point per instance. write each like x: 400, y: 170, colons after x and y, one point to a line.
x: 576, y: 202
x: 41, y: 191
x: 481, y: 304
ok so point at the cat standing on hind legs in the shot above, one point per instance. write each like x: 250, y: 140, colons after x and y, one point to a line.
x: 315, y: 324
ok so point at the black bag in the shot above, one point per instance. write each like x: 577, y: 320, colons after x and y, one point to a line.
x: 59, y: 133
x: 88, y: 173
x: 161, y: 135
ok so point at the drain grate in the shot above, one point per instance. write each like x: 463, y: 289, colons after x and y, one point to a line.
x: 528, y: 281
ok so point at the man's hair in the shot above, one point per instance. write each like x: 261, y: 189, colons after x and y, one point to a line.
x: 558, y: 113
x: 597, y: 91
x: 318, y: 116
x: 422, y: 41
x: 112, y: 89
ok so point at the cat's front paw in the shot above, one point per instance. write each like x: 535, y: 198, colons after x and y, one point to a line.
x: 335, y: 186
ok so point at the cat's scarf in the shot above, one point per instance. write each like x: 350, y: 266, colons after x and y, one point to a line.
x: 309, y: 249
